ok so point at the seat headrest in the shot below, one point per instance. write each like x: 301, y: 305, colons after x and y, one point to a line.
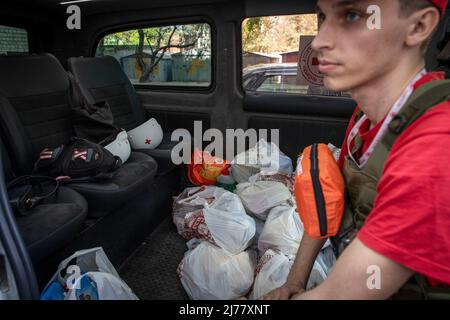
x: 29, y: 75
x: 98, y: 71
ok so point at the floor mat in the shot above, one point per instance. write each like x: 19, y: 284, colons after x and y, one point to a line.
x: 151, y: 270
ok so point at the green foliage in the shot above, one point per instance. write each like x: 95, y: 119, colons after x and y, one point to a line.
x: 161, y: 36
x: 251, y: 28
x: 276, y: 33
x: 151, y: 44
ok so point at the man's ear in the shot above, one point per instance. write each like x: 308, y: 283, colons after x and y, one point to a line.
x: 422, y: 25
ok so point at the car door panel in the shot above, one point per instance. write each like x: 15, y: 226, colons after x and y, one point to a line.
x: 296, y: 133
x: 177, y: 111
x: 301, y: 120
x: 291, y: 104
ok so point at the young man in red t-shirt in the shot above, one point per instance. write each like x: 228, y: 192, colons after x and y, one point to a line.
x: 407, y: 230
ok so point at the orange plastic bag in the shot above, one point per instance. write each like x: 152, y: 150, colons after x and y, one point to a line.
x: 205, y: 168
x: 319, y: 192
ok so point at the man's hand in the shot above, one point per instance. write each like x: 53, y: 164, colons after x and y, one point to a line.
x: 300, y: 271
x: 297, y: 296
x: 285, y: 292
x: 349, y: 277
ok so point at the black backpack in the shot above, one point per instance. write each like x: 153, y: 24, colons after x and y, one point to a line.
x: 80, y: 159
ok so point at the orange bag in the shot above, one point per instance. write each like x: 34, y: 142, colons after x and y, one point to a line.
x: 206, y: 172
x: 319, y: 192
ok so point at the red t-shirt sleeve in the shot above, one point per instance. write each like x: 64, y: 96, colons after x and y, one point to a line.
x: 410, y: 221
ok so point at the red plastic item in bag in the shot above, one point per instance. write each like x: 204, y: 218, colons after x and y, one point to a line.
x: 205, y: 168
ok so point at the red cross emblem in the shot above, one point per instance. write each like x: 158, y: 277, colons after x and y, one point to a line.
x: 148, y: 141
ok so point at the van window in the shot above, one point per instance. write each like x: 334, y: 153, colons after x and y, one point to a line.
x: 13, y: 41
x: 177, y: 55
x: 277, y: 56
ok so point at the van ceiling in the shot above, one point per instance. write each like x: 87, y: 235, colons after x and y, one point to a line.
x: 100, y: 6
x: 104, y: 6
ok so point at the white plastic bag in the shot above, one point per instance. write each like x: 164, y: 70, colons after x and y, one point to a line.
x: 191, y: 200
x: 210, y: 273
x: 273, y: 270
x: 271, y: 273
x: 261, y: 196
x: 283, y: 231
x: 284, y: 178
x: 259, y: 228
x: 322, y: 267
x: 219, y: 217
x: 108, y: 287
x: 87, y: 275
x: 326, y: 259
x: 234, y: 233
x: 263, y: 157
x: 317, y: 276
x: 335, y: 151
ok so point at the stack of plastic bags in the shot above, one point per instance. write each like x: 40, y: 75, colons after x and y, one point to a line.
x: 278, y: 245
x: 244, y: 243
x: 218, y: 267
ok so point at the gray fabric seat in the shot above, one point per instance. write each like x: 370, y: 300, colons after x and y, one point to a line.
x: 102, y: 79
x: 36, y: 113
x: 52, y: 224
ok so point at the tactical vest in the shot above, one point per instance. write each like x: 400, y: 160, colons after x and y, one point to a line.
x: 361, y: 184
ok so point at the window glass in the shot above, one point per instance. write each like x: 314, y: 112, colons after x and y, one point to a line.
x: 277, y: 55
x: 178, y: 55
x: 13, y: 41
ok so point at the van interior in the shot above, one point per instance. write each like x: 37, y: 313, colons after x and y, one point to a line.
x: 130, y: 214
